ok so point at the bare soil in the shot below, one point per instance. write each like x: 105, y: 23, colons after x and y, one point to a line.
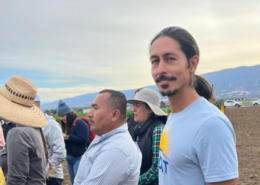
x: 66, y: 175
x: 246, y: 123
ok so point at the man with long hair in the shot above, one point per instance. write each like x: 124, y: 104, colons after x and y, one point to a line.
x: 198, y: 142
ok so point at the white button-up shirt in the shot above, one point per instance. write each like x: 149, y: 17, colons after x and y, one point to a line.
x: 111, y: 159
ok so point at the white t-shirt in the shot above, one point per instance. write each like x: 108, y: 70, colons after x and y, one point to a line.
x: 197, y: 146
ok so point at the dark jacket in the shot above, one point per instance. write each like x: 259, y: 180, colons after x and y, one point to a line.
x: 145, y: 135
x: 131, y: 124
x: 6, y: 127
x: 25, y: 156
x: 78, y: 138
x: 3, y: 154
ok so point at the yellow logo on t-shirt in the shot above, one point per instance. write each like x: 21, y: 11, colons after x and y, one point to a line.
x: 165, y: 143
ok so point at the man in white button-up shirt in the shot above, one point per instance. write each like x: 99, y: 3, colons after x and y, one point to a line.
x: 112, y: 158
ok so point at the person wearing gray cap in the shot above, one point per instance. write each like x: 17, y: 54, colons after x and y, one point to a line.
x: 147, y: 133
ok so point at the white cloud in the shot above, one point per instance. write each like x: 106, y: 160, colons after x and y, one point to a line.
x: 109, y: 40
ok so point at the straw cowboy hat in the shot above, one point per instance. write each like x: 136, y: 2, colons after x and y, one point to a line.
x: 17, y: 103
x: 151, y: 98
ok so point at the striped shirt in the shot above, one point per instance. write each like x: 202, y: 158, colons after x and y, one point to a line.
x: 111, y: 159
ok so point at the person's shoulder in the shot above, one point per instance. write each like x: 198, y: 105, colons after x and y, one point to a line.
x: 208, y: 110
x: 80, y: 120
x: 80, y: 123
x: 125, y: 143
x: 50, y: 119
x: 214, y: 112
x: 51, y: 127
x: 22, y: 129
x: 51, y: 122
x: 22, y: 132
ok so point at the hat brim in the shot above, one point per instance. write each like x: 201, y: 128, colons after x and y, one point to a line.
x: 19, y: 114
x: 156, y: 110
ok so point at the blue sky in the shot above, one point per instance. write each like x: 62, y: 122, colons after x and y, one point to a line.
x: 68, y: 48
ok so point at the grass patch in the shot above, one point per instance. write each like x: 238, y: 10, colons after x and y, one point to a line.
x: 247, y: 103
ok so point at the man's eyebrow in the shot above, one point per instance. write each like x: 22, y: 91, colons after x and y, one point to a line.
x: 153, y: 56
x: 169, y: 53
x: 164, y: 55
x: 94, y: 105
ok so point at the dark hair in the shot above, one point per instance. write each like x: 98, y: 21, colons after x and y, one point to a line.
x: 187, y: 43
x: 203, y: 87
x: 147, y: 106
x: 70, y: 118
x: 137, y: 90
x: 117, y: 100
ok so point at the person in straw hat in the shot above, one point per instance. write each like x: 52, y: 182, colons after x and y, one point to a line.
x: 147, y: 133
x: 25, y: 144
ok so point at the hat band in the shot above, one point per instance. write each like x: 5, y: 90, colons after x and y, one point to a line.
x: 18, y: 94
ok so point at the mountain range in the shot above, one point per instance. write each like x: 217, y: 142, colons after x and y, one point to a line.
x: 240, y: 82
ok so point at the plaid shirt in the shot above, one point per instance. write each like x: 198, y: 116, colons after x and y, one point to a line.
x: 152, y: 172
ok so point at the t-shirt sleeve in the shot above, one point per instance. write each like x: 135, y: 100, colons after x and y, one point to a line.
x: 215, y: 147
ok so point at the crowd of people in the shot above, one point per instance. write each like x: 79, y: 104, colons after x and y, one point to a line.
x: 194, y: 145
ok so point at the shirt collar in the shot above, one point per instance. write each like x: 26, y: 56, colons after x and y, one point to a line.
x: 120, y: 129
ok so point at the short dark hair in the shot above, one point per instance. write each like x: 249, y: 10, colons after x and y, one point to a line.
x: 203, y: 88
x: 117, y: 100
x: 187, y: 43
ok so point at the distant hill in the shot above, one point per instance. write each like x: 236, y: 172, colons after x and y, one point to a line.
x: 85, y: 100
x: 240, y: 82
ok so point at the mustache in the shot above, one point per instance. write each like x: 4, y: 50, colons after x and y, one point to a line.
x: 90, y: 120
x: 163, y: 77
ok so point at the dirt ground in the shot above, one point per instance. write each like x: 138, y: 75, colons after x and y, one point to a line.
x: 246, y: 123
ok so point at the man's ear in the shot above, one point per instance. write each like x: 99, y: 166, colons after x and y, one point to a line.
x: 194, y: 61
x: 115, y: 115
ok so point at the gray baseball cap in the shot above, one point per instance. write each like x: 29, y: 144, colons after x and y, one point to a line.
x: 151, y: 98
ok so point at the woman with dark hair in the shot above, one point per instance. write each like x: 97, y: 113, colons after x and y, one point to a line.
x: 150, y: 121
x: 76, y: 136
x: 130, y: 121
